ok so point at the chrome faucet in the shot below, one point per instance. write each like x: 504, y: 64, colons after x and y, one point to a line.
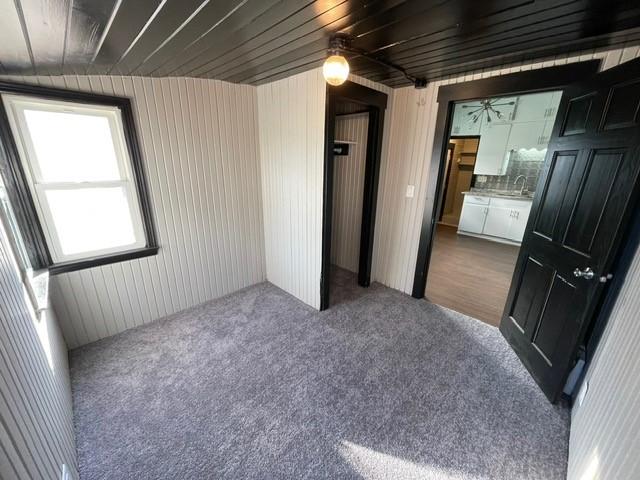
x: 524, y: 184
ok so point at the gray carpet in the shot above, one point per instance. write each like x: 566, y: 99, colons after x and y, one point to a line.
x: 257, y: 385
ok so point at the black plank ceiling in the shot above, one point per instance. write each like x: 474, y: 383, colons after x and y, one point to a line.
x: 257, y: 41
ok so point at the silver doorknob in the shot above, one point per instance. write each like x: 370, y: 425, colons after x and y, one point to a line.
x: 587, y: 273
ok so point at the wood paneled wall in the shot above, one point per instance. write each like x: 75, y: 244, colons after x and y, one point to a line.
x: 605, y: 429
x: 291, y: 120
x: 199, y: 142
x: 36, y: 419
x: 348, y: 191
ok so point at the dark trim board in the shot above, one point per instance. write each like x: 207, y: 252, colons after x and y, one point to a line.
x: 18, y: 188
x: 544, y: 79
x: 374, y: 103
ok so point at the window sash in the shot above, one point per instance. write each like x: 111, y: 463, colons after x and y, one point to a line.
x: 49, y: 224
x: 16, y: 104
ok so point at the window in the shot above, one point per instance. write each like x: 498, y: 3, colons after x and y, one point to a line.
x: 76, y: 167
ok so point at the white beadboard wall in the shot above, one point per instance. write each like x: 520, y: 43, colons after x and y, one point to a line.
x: 36, y: 419
x: 405, y: 161
x: 605, y: 429
x: 291, y: 125
x: 348, y: 191
x: 199, y: 141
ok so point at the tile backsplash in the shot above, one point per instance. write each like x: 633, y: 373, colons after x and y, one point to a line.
x: 523, y: 162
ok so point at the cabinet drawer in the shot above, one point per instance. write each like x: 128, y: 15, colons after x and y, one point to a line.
x: 476, y: 200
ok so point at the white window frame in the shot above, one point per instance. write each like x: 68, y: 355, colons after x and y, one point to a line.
x: 15, y: 106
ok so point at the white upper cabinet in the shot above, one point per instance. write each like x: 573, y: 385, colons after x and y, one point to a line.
x: 537, y: 107
x: 527, y: 135
x: 463, y: 124
x: 492, y: 157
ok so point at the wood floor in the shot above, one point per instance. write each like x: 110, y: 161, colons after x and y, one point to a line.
x: 470, y: 275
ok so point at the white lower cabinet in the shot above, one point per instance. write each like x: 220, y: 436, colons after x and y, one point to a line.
x: 498, y: 222
x: 495, y: 218
x: 519, y: 222
x: 472, y: 217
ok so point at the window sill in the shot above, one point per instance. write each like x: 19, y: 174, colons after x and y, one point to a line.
x: 103, y: 260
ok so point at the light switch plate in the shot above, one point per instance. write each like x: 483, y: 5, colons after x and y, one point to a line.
x: 410, y: 191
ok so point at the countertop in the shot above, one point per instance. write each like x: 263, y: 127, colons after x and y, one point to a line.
x: 501, y: 194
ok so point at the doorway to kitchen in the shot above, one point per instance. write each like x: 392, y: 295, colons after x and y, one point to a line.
x: 496, y: 150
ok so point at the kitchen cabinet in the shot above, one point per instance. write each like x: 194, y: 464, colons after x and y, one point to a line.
x: 546, y: 132
x: 463, y: 124
x: 492, y: 157
x: 519, y: 219
x: 494, y: 218
x: 526, y: 135
x: 537, y: 107
x: 472, y: 217
x: 498, y: 222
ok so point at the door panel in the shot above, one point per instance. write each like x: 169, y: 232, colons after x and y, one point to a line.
x: 577, y: 115
x: 557, y: 313
x: 533, y: 288
x: 560, y: 174
x: 592, y: 200
x: 623, y: 106
x: 588, y: 189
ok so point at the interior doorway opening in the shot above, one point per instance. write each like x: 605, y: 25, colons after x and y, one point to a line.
x: 349, y: 164
x: 353, y: 145
x: 496, y: 151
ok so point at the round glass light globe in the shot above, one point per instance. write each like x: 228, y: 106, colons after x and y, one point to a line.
x: 335, y: 70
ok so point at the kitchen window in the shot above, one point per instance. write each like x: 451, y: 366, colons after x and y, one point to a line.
x: 84, y: 188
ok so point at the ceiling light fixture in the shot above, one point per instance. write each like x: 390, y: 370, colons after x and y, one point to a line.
x: 336, y: 66
x: 487, y: 106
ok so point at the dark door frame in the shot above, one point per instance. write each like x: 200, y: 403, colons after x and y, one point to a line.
x: 375, y: 103
x: 530, y: 81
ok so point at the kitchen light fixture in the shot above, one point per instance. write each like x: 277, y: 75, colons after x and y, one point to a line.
x: 336, y: 66
x: 486, y: 106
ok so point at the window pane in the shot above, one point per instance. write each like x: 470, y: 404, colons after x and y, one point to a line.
x: 71, y: 147
x: 90, y: 219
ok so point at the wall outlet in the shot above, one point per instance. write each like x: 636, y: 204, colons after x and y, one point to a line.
x: 411, y: 190
x: 481, y: 179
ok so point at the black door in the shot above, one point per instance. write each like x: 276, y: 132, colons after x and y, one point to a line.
x: 581, y: 212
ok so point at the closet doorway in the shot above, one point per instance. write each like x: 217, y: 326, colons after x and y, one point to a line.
x: 353, y: 144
